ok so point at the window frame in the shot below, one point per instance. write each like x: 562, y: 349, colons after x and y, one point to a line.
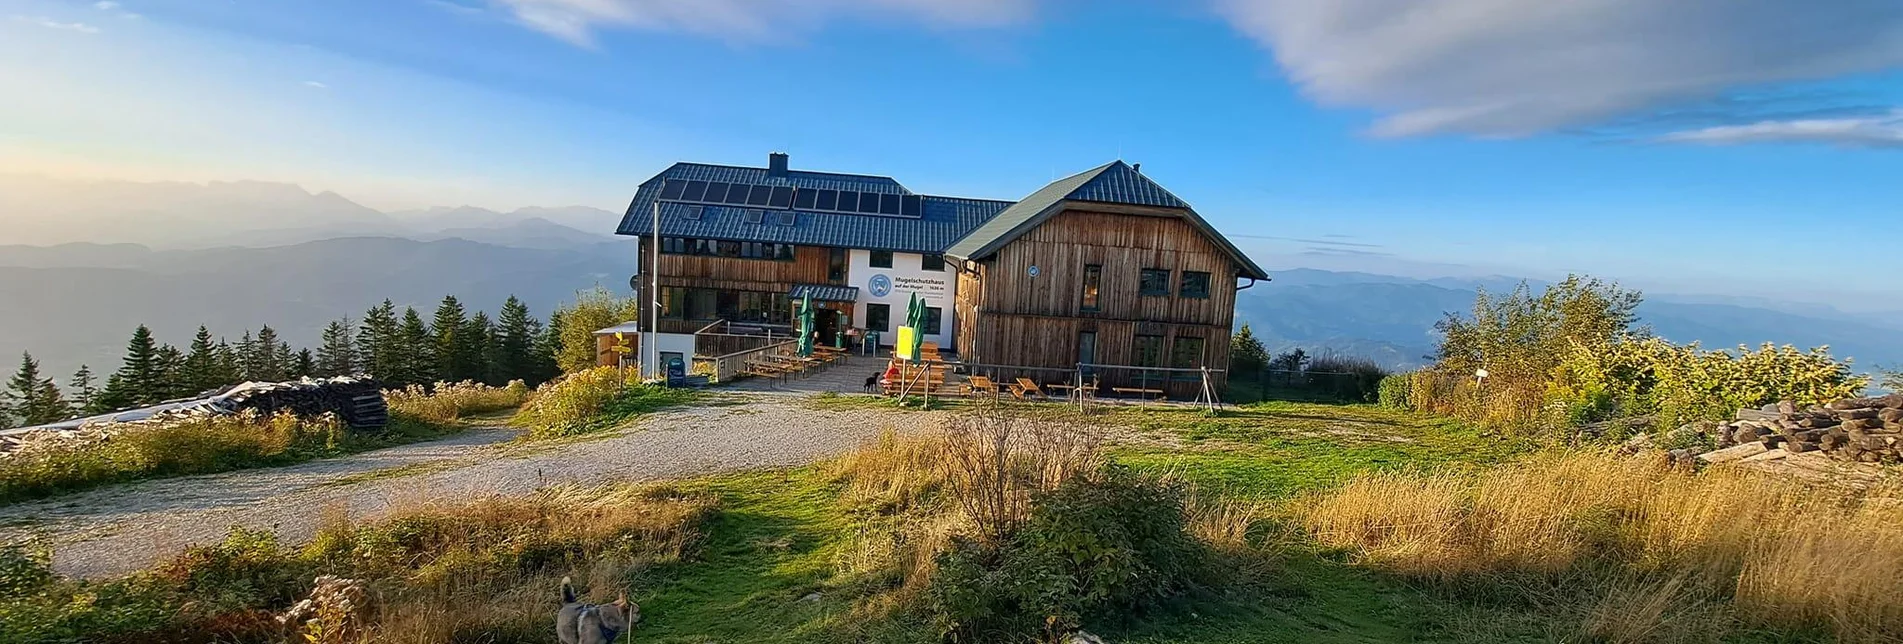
x: 934, y: 322
x: 1182, y: 288
x: 926, y: 263
x: 873, y: 260
x: 1143, y: 285
x: 882, y: 315
x: 1092, y: 289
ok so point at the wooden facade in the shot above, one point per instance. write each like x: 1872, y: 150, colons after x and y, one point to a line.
x: 1010, y: 314
x: 810, y: 265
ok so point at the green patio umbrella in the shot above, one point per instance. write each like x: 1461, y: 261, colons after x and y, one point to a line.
x: 806, y: 325
x: 915, y: 318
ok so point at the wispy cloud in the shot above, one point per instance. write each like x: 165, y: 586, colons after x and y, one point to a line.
x: 115, y: 8
x: 1882, y: 131
x: 315, y: 85
x: 578, y: 21
x: 78, y: 27
x: 1327, y: 240
x: 1518, y: 67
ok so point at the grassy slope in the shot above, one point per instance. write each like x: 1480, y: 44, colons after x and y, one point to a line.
x: 780, y: 532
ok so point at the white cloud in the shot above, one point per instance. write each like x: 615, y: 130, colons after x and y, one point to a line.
x: 105, y: 6
x: 50, y: 23
x: 577, y: 21
x: 1872, y: 131
x: 315, y: 85
x: 1519, y: 67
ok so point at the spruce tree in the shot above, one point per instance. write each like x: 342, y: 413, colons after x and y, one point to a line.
x: 479, y: 342
x: 304, y: 365
x: 246, y: 351
x: 543, y: 363
x: 271, y: 355
x: 514, y: 342
x: 416, y: 350
x: 227, y: 365
x: 377, y: 343
x: 172, y: 381
x: 31, y: 399
x: 139, y: 373
x: 116, y: 395
x: 336, y: 355
x: 200, y: 371
x: 84, y: 392
x: 448, y: 333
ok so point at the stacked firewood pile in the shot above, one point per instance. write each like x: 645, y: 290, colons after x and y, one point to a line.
x: 1857, y: 430
x: 358, y: 402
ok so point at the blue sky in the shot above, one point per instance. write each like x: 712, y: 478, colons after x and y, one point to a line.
x: 1708, y: 145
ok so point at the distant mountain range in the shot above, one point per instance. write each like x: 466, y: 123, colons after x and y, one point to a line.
x: 1390, y: 319
x: 82, y: 263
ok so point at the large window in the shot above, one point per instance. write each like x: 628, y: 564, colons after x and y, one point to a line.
x: 1156, y: 281
x: 1187, y: 354
x: 879, y: 317
x: 836, y: 265
x: 882, y: 259
x: 1093, y: 287
x: 671, y: 302
x: 1149, y: 351
x: 933, y: 317
x: 674, y: 246
x: 679, y: 303
x: 1195, y: 285
x: 747, y: 250
x: 930, y: 262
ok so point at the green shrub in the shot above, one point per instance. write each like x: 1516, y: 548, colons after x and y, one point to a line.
x: 1393, y: 391
x: 1099, y: 547
x: 593, y: 400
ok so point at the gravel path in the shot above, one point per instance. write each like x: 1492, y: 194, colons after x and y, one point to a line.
x: 123, y: 528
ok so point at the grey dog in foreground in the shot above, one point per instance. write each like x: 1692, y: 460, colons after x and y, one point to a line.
x: 579, y: 623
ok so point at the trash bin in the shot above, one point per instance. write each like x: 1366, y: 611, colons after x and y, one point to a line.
x: 871, y: 347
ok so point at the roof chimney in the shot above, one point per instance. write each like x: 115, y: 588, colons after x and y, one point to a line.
x: 1137, y: 168
x: 776, y: 164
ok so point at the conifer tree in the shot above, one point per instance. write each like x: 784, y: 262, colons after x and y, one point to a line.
x: 172, y: 381
x: 116, y: 395
x: 84, y: 392
x: 201, y: 371
x: 271, y: 356
x: 377, y: 343
x: 415, y: 350
x: 137, y: 381
x: 547, y: 347
x: 246, y: 351
x: 449, y: 335
x: 336, y: 355
x: 31, y: 399
x: 304, y: 365
x: 479, y: 341
x: 227, y: 366
x: 516, y: 339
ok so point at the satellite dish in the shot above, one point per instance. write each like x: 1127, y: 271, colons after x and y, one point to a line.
x: 634, y: 283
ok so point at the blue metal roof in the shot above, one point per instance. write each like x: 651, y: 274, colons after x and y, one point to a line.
x: 942, y: 220
x: 825, y: 292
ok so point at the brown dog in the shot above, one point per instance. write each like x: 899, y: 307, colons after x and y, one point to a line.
x: 579, y: 623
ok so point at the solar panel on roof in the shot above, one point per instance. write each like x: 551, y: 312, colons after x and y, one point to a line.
x: 828, y: 200
x: 716, y: 192
x: 848, y: 201
x: 889, y: 204
x: 693, y: 213
x: 781, y: 198
x: 787, y: 218
x: 754, y: 216
x: 737, y: 195
x: 672, y: 188
x: 695, y: 190
x: 868, y: 203
x: 804, y: 199
x: 913, y: 206
x: 760, y: 196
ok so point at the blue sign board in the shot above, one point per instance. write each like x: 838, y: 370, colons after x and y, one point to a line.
x: 879, y: 285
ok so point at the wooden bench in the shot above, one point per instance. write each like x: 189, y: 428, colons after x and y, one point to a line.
x: 1027, y: 387
x: 1139, y: 392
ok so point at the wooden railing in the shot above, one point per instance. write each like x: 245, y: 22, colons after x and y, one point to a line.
x: 728, y: 367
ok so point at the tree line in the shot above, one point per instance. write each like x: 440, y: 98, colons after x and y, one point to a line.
x: 398, y: 349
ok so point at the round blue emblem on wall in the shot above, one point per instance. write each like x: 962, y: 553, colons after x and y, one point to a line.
x: 879, y: 285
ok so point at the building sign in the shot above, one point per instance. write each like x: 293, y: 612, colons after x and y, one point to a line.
x: 879, y: 285
x: 930, y: 288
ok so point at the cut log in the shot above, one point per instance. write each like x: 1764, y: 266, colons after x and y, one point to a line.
x: 1857, y: 414
x: 1787, y: 407
x: 1729, y: 454
x: 1799, y: 447
x: 1861, y: 424
x: 1756, y: 415
x: 1770, y: 455
x: 1890, y: 415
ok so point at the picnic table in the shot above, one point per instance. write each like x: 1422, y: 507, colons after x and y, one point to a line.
x: 981, y: 383
x: 1140, y: 392
x: 1026, y: 387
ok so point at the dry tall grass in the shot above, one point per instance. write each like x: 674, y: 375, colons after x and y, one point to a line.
x: 192, y: 446
x: 1783, y: 553
x: 448, y: 402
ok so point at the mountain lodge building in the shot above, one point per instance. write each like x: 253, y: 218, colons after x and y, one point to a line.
x: 1104, y: 267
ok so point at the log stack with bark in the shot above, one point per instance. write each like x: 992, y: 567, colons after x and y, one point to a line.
x: 1857, y: 430
x: 358, y: 402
